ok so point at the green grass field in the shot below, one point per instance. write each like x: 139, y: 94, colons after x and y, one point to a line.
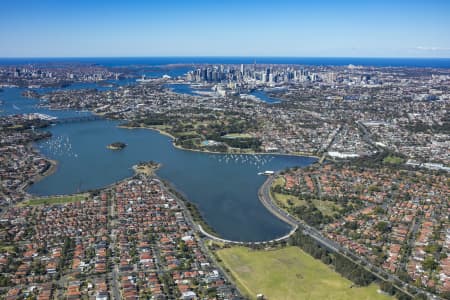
x: 279, y: 181
x: 393, y: 160
x: 54, y: 200
x: 187, y: 133
x: 283, y: 198
x: 328, y: 208
x: 7, y: 248
x: 289, y: 274
x: 161, y: 127
x: 237, y: 135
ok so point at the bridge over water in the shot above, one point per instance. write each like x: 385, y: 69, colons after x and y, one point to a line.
x: 78, y: 119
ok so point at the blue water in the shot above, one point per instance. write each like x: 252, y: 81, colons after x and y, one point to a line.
x: 172, y: 72
x: 188, y: 90
x: 264, y: 97
x: 182, y: 89
x: 14, y: 104
x: 158, y: 61
x: 17, y: 104
x: 185, y: 89
x: 224, y: 186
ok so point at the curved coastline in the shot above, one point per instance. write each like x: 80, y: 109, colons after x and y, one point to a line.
x: 215, y: 152
x: 201, y: 225
x: 278, y: 237
x: 38, y: 177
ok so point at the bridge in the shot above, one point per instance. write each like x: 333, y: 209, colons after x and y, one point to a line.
x: 77, y: 119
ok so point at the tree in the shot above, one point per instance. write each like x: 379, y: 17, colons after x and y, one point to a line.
x: 421, y: 297
x: 387, y: 287
x: 4, y: 281
x: 430, y: 264
x: 446, y: 295
x: 382, y: 227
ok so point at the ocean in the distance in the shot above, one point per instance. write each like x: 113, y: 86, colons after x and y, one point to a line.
x: 159, y: 61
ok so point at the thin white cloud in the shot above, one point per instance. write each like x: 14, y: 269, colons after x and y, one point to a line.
x: 421, y: 48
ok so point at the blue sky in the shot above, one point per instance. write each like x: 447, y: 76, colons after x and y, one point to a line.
x: 333, y: 28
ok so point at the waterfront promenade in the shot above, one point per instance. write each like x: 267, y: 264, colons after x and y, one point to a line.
x: 218, y: 239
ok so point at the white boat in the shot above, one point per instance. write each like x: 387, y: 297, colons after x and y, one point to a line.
x: 267, y: 173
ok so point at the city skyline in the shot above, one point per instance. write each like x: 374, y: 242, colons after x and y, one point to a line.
x: 224, y: 150
x: 201, y: 28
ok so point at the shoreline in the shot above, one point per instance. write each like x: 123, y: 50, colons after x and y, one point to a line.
x: 51, y: 169
x: 38, y: 177
x: 147, y: 169
x: 298, y: 154
x: 152, y: 173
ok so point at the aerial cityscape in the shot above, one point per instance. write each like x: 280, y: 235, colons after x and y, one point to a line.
x: 147, y: 159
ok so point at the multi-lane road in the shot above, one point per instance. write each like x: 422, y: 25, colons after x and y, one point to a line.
x: 267, y: 201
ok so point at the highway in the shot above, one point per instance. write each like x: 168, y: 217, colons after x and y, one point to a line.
x: 266, y: 200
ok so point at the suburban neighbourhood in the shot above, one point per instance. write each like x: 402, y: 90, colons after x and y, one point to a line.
x: 376, y: 199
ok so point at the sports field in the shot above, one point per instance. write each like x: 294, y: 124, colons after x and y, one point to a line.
x: 290, y: 273
x: 237, y: 136
x: 55, y: 200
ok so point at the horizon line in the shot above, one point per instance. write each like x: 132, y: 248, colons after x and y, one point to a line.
x: 223, y: 56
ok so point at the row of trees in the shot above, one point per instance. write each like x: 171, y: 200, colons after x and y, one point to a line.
x: 344, y: 266
x: 341, y: 264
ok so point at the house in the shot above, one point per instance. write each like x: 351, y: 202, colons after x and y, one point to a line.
x: 102, y: 296
x: 189, y: 295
